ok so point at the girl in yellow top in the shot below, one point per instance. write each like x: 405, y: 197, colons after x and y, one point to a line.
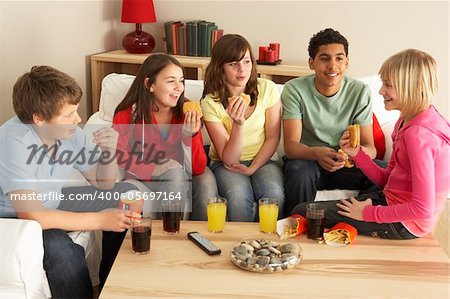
x: 244, y: 137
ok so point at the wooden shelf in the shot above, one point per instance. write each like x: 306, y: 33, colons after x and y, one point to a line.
x: 120, y: 61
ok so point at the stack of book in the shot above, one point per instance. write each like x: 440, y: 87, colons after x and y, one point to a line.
x: 193, y: 38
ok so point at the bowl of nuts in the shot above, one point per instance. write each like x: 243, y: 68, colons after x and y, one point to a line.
x: 265, y: 255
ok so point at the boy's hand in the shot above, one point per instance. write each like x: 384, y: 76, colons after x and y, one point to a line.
x: 116, y: 220
x: 236, y: 110
x: 329, y: 159
x: 106, y: 138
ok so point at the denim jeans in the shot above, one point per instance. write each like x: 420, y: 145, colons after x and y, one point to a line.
x: 394, y: 231
x: 302, y: 179
x: 64, y: 260
x: 172, y: 185
x: 65, y: 266
x: 242, y: 192
x: 203, y: 187
x: 199, y: 189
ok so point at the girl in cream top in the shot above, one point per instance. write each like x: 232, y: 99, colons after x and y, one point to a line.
x: 244, y: 136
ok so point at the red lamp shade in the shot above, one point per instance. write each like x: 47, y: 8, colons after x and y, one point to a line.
x: 138, y: 11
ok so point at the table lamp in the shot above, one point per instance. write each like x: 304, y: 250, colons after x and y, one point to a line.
x: 138, y: 11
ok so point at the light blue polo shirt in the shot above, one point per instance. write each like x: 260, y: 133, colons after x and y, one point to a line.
x: 25, y: 165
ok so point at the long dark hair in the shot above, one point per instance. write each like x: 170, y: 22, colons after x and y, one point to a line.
x: 229, y: 48
x: 140, y: 95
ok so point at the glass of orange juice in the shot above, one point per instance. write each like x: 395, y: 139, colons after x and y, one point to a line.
x: 217, y: 214
x: 268, y: 215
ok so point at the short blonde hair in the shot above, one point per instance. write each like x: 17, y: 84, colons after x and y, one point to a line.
x: 414, y: 75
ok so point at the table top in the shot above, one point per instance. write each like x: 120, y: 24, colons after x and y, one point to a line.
x: 367, y: 268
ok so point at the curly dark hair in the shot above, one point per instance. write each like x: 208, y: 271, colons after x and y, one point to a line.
x: 326, y: 37
x: 229, y: 48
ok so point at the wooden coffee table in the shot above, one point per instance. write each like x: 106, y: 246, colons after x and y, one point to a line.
x: 368, y: 268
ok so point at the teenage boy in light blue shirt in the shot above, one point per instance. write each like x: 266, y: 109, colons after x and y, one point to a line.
x: 39, y: 149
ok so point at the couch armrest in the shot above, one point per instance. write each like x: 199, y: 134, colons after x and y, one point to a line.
x: 22, y: 253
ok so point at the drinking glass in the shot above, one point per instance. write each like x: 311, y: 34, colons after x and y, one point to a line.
x: 217, y: 214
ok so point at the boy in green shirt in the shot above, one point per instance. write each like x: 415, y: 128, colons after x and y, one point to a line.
x: 316, y: 112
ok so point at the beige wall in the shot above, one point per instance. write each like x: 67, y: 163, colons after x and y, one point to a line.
x: 64, y: 33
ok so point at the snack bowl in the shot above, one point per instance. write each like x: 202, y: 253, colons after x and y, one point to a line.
x: 265, y: 255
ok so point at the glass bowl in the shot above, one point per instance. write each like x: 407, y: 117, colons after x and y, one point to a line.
x: 264, y: 255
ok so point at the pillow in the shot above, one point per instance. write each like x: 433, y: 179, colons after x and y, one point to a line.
x: 114, y: 88
x: 378, y: 138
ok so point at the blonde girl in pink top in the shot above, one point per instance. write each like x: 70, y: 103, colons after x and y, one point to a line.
x: 417, y: 179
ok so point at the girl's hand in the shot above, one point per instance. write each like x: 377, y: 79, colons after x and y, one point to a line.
x: 236, y: 110
x: 344, y: 143
x: 116, y: 220
x: 106, y: 138
x: 353, y: 208
x: 192, y: 123
x: 168, y: 165
x: 242, y: 169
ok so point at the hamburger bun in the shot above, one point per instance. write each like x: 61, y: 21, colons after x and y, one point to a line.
x: 191, y: 106
x: 348, y: 162
x: 354, y: 135
x: 246, y: 98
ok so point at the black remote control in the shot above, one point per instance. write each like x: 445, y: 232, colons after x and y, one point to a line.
x: 205, y: 244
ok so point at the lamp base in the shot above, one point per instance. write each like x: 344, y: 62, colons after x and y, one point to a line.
x: 138, y: 42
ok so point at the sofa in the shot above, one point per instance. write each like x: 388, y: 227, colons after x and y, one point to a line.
x: 22, y: 275
x: 21, y: 258
x: 115, y: 86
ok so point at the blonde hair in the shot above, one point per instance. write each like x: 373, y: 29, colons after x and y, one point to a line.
x: 414, y: 75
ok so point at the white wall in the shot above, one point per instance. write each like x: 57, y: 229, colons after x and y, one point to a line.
x: 64, y: 33
x: 61, y: 34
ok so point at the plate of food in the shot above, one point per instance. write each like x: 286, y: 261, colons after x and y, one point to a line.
x: 266, y: 255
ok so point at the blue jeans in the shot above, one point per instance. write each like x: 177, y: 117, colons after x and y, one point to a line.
x: 394, y: 231
x: 173, y: 182
x: 199, y: 188
x: 242, y: 192
x: 203, y: 187
x: 64, y: 260
x: 65, y: 266
x: 304, y: 177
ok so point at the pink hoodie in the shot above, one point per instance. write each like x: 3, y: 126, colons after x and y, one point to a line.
x: 417, y: 179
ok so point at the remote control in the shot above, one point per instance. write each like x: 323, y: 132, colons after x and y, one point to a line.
x: 205, y: 244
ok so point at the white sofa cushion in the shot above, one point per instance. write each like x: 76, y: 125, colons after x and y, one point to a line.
x: 114, y: 88
x: 21, y: 258
x: 22, y: 274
